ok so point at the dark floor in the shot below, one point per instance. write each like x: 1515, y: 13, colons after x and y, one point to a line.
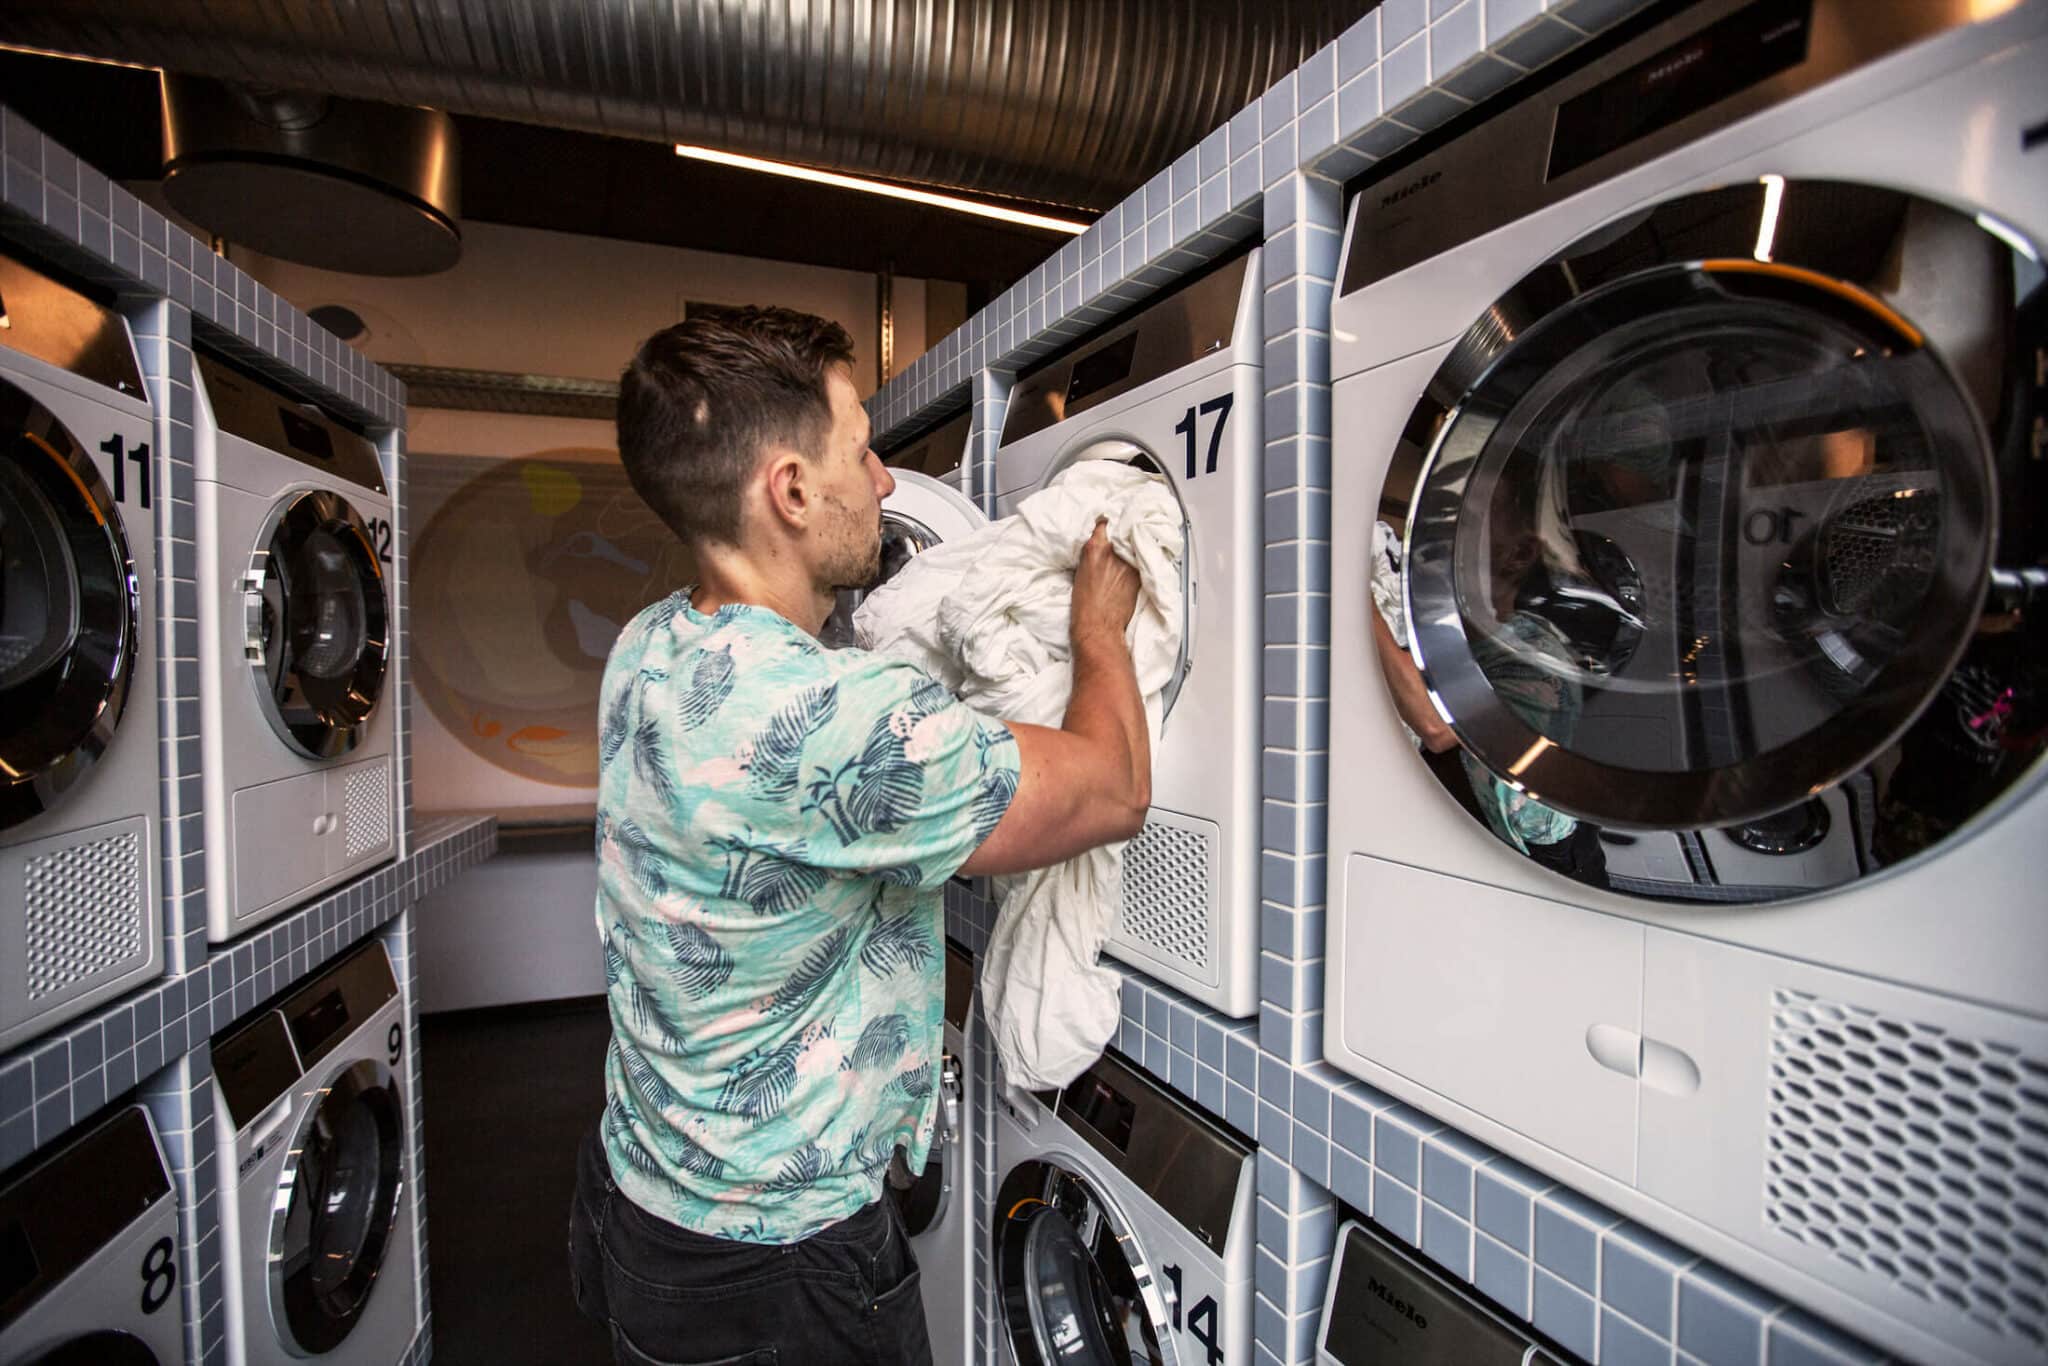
x: 508, y: 1094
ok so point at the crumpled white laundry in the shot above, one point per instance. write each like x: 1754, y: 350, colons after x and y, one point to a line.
x: 988, y: 616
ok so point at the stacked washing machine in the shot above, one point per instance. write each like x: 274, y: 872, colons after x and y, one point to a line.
x: 318, y: 1251
x: 937, y: 1206
x: 89, y: 1236
x: 1178, y: 387
x: 296, y: 649
x: 1688, y: 713
x: 1122, y: 1227
x: 79, y: 805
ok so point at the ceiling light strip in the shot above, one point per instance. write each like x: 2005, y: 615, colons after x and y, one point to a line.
x: 847, y: 182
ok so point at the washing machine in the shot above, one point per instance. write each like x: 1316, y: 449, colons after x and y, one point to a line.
x: 1122, y: 1227
x: 317, y: 1253
x: 79, y: 917
x: 90, y: 1239
x: 296, y: 649
x: 1702, y: 389
x: 921, y: 512
x: 1179, y: 389
x: 937, y: 1204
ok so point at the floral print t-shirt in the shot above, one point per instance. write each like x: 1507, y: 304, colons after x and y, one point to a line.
x: 775, y: 826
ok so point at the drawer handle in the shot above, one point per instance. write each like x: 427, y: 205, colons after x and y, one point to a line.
x: 1616, y: 1049
x: 1669, y: 1069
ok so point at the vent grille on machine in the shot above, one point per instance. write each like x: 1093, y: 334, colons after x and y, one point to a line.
x: 1913, y: 1154
x: 366, y: 810
x: 1166, y: 894
x: 84, y: 910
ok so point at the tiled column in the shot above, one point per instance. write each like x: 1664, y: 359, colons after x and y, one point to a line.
x: 180, y: 1099
x: 991, y: 406
x: 401, y: 942
x: 391, y: 454
x: 1303, y: 218
x: 1297, y: 1222
x: 163, y: 341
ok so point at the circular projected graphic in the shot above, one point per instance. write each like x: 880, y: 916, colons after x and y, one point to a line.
x: 521, y: 580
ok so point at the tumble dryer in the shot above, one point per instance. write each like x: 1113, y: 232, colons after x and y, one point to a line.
x: 91, y: 1253
x: 1178, y: 388
x: 1702, y: 389
x: 295, y: 626
x: 1122, y: 1226
x: 919, y: 513
x: 79, y: 804
x: 317, y: 1251
x: 937, y: 1205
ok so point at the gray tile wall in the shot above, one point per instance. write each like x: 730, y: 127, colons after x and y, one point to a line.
x: 1608, y: 1289
x: 154, y: 1041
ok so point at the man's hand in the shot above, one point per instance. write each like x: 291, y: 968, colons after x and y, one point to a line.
x: 1105, y: 591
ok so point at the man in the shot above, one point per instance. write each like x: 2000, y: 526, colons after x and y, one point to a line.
x: 775, y: 824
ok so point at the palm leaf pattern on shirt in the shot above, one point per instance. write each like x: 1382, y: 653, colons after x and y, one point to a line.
x: 916, y: 1083
x: 888, y: 786
x: 864, y: 1155
x: 686, y: 1154
x: 814, y: 974
x: 643, y: 1005
x: 882, y: 1042
x: 701, y: 964
x: 805, y: 1167
x: 619, y: 1131
x: 772, y: 878
x: 710, y: 684
x: 652, y: 1086
x: 651, y: 761
x: 903, y: 940
x: 643, y: 857
x: 618, y: 718
x: 758, y: 1085
x: 998, y: 786
x: 779, y: 749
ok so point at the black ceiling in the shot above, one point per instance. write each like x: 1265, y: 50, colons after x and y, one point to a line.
x: 537, y: 177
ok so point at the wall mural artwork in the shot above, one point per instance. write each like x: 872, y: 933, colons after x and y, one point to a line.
x: 524, y: 570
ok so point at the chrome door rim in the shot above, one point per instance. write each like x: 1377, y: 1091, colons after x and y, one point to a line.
x: 1010, y: 1233
x: 366, y: 1081
x: 336, y: 716
x: 98, y: 696
x: 1461, y: 411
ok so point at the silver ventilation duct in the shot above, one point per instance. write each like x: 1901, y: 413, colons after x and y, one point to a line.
x: 1061, y: 101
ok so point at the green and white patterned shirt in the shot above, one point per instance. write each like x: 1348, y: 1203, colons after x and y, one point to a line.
x: 775, y: 826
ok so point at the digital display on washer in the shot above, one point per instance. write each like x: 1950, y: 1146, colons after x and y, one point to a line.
x: 1096, y: 372
x: 1747, y: 47
x: 1098, y: 1105
x: 18, y: 1268
x: 307, y: 437
x: 254, y: 1066
x: 319, y: 1022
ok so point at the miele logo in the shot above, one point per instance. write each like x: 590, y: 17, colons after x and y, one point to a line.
x: 1689, y: 57
x: 1415, y: 186
x: 1399, y: 1305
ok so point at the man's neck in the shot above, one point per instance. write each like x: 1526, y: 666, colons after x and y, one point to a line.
x: 726, y: 576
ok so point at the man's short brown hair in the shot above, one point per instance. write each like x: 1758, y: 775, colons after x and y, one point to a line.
x: 701, y: 400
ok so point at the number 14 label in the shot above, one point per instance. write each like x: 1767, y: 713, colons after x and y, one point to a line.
x: 1202, y: 1319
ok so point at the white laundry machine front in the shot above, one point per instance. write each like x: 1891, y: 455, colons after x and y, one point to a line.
x: 313, y: 1128
x: 89, y: 1252
x: 79, y: 759
x: 1179, y: 389
x: 920, y: 513
x: 296, y: 650
x: 1123, y: 1228
x: 937, y: 1205
x: 1702, y: 389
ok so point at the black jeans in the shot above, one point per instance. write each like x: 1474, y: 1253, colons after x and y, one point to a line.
x: 671, y: 1297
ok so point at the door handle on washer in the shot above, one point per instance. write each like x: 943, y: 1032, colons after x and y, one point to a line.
x: 949, y: 1096
x: 1656, y: 1064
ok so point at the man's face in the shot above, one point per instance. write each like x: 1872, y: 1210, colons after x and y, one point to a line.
x: 852, y: 483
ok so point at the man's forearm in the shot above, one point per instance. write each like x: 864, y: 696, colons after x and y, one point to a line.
x: 1105, y: 709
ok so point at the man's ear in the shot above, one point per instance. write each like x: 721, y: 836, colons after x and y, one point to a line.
x: 787, y: 480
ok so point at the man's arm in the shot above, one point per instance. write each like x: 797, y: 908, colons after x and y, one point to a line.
x: 1411, y: 694
x: 1089, y: 782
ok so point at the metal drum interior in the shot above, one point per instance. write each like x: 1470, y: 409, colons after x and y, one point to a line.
x: 1072, y: 1280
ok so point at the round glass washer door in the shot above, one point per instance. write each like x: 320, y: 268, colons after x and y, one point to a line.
x: 1075, y: 1287
x: 922, y: 512
x: 1708, y: 524
x: 69, y: 610
x: 316, y: 619
x: 336, y: 1204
